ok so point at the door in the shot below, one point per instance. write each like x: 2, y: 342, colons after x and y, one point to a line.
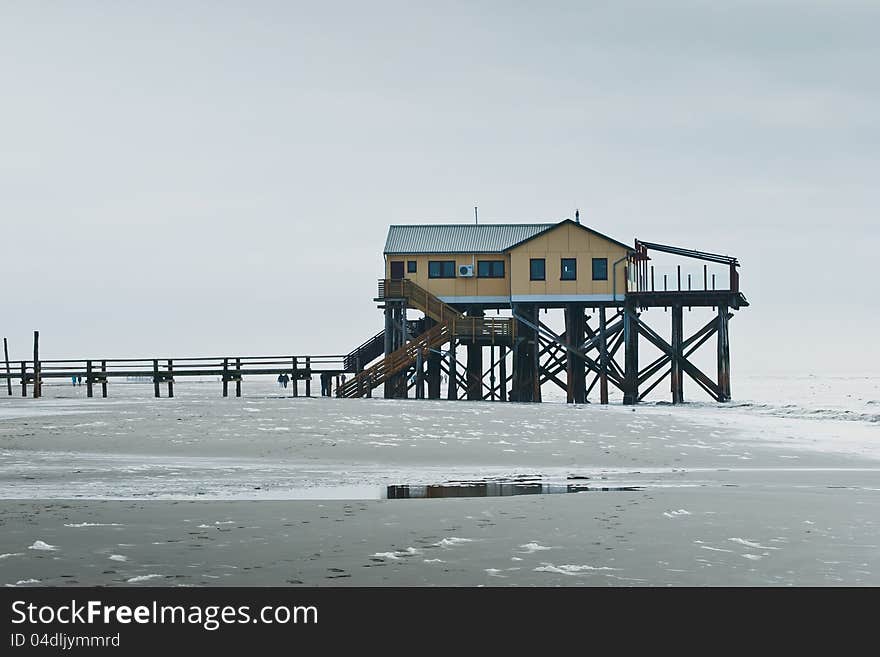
x: 396, y: 270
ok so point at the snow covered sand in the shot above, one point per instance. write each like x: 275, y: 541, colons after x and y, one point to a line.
x: 137, y: 490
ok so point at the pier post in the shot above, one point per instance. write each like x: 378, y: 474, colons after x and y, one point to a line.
x: 38, y: 383
x: 89, y: 383
x: 492, y: 381
x: 536, y: 360
x: 295, y: 381
x: 526, y: 383
x: 452, y: 384
x: 395, y: 386
x: 420, y: 376
x: 238, y: 377
x: 433, y: 374
x: 225, y: 377
x: 170, y: 379
x: 502, y: 373
x: 723, y: 354
x: 474, y: 364
x: 575, y: 365
x: 603, y: 356
x: 104, y: 379
x: 156, y: 378
x: 677, y: 383
x: 8, y: 373
x: 23, y: 379
x: 631, y: 340
x: 308, y: 376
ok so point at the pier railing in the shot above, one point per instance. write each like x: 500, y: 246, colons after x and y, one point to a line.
x: 92, y: 371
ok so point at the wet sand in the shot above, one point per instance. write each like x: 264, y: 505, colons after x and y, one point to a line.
x: 203, y: 491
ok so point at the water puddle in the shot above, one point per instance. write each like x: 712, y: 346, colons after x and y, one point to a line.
x: 494, y: 489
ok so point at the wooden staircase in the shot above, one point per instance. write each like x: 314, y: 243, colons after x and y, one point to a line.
x: 450, y: 324
x: 417, y: 297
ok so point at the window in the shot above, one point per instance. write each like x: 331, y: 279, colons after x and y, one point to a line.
x: 569, y: 269
x: 600, y: 269
x: 490, y: 268
x: 441, y: 269
x: 537, y: 269
x: 410, y: 266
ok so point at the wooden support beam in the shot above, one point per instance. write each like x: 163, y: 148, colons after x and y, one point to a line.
x: 309, y: 375
x: 420, y: 376
x: 451, y: 391
x: 576, y: 368
x: 433, y: 369
x: 723, y: 355
x: 603, y: 353
x: 653, y: 368
x: 689, y: 368
x: 23, y: 379
x: 104, y: 379
x: 389, y: 347
x: 156, y: 378
x: 8, y: 372
x: 295, y: 378
x: 502, y: 372
x: 170, y: 378
x: 474, y: 367
x: 631, y: 337
x: 644, y: 393
x: 38, y: 383
x: 677, y: 355
x: 225, y: 377
x: 238, y: 377
x: 89, y: 380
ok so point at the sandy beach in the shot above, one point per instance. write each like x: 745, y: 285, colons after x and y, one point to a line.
x: 270, y: 490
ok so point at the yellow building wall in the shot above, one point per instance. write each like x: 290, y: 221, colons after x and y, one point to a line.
x: 458, y: 286
x: 567, y: 241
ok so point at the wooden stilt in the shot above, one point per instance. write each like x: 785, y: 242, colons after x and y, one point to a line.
x: 8, y: 373
x: 575, y: 324
x: 89, y: 380
x: 309, y: 375
x: 238, y: 377
x: 156, y: 378
x: 295, y: 381
x: 474, y: 371
x: 23, y: 379
x: 502, y: 372
x: 420, y: 376
x: 723, y: 355
x: 104, y: 379
x: 631, y: 338
x: 452, y: 389
x: 170, y: 378
x: 603, y: 357
x: 433, y: 374
x: 225, y: 377
x: 677, y: 384
x: 38, y: 383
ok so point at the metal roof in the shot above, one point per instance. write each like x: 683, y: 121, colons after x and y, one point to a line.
x: 459, y: 238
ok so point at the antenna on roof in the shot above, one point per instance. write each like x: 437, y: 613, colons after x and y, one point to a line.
x: 476, y: 220
x: 577, y: 216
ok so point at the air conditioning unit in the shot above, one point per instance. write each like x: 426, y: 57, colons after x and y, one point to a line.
x: 466, y: 271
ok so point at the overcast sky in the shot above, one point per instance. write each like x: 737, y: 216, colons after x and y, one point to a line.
x: 190, y: 178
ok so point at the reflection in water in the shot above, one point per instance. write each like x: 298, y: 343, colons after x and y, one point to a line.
x: 494, y: 489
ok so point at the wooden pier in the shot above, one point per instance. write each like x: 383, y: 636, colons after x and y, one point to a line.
x: 164, y: 372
